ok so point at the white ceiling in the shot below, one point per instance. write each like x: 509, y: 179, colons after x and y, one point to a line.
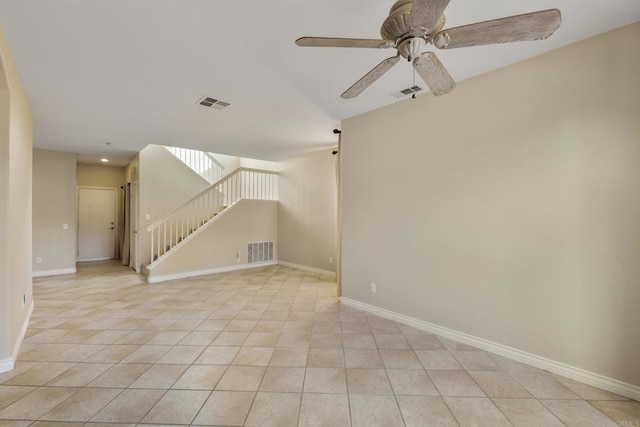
x: 129, y: 72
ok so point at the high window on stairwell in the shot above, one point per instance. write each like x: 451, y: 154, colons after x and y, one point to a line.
x: 201, y: 162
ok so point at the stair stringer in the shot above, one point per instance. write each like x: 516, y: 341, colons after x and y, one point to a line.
x: 213, y: 246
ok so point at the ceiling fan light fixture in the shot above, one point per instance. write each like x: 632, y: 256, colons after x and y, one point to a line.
x: 441, y: 41
x: 411, y: 47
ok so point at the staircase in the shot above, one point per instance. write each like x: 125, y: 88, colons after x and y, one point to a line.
x: 201, y: 162
x: 178, y: 226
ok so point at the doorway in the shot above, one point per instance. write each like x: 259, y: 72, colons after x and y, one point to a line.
x: 96, y: 223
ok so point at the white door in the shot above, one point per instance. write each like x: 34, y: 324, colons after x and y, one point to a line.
x: 96, y: 223
x: 133, y: 242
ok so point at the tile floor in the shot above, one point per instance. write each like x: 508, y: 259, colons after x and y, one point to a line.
x: 263, y: 347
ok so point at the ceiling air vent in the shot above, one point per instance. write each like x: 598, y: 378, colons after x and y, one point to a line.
x: 408, y: 91
x: 209, y: 102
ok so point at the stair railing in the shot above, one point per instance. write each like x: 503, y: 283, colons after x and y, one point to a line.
x: 243, y: 183
x: 201, y: 162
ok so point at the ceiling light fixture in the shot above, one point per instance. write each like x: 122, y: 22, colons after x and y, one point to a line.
x: 104, y: 160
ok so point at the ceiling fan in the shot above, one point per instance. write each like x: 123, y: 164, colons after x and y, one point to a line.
x: 412, y: 24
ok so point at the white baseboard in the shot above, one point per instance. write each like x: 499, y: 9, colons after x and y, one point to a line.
x: 615, y: 386
x: 306, y: 268
x: 186, y: 274
x: 7, y: 364
x: 53, y: 272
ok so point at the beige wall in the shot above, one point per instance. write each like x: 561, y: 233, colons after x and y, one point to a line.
x: 307, y: 211
x: 512, y: 209
x: 100, y: 176
x: 165, y: 183
x: 218, y: 244
x: 54, y: 204
x: 16, y: 136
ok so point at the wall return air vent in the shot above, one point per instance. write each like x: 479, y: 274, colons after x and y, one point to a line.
x: 209, y: 102
x: 259, y: 252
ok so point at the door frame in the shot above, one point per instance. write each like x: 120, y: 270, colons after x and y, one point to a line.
x: 134, y: 219
x: 115, y: 215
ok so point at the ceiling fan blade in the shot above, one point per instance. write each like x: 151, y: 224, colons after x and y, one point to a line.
x: 530, y: 26
x: 426, y: 13
x: 434, y: 74
x: 344, y: 42
x: 370, y: 77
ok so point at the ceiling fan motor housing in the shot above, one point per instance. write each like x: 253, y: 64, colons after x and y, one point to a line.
x: 396, y: 24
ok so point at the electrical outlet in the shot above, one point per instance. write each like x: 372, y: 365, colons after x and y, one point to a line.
x: 38, y: 260
x: 373, y: 287
x: 330, y: 260
x: 65, y: 226
x: 147, y: 217
x: 238, y: 257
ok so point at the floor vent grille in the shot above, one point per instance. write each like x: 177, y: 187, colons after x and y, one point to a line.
x: 259, y: 252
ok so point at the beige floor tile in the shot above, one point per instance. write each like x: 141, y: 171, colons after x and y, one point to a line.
x: 455, y: 383
x: 325, y: 380
x: 475, y: 361
x: 527, y: 413
x: 280, y: 379
x: 355, y: 327
x: 472, y: 411
x: 325, y: 327
x: 358, y: 341
x: 452, y: 345
x: 362, y: 358
x: 182, y: 355
x: 419, y: 411
x: 326, y: 340
x: 439, y: 360
x: 83, y: 405
x: 9, y: 394
x: 266, y: 325
x: 240, y: 326
x: 177, y: 407
x: 37, y: 403
x: 499, y: 384
x: 19, y: 368
x: 23, y: 424
x: 80, y: 375
x: 229, y: 408
x: 578, y: 413
x: 368, y: 381
x: 326, y: 358
x: 241, y: 378
x: 391, y: 341
x: 230, y: 339
x: 294, y: 339
x: 622, y: 412
x: 160, y: 376
x: 147, y: 354
x: 411, y: 382
x: 198, y: 338
x: 212, y: 325
x: 78, y: 353
x: 262, y: 339
x: 400, y: 359
x: 253, y: 356
x: 544, y: 385
x: 423, y: 341
x: 137, y: 337
x: 113, y: 353
x: 40, y: 374
x: 274, y: 410
x: 120, y: 376
x: 200, y: 377
x: 588, y: 392
x: 43, y: 352
x: 289, y: 357
x: 130, y: 406
x: 314, y: 413
x: 217, y: 355
x: 371, y: 410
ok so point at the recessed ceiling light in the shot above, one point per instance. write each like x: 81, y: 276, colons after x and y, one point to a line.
x: 104, y: 160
